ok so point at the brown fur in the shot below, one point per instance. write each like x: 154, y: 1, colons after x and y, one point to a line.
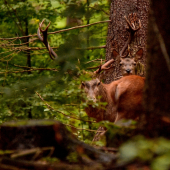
x: 123, y: 97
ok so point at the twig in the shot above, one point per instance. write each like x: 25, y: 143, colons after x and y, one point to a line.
x: 95, y: 60
x: 7, y: 51
x: 8, y: 55
x: 37, y: 48
x: 33, y: 69
x: 30, y: 41
x: 82, y: 120
x: 23, y: 66
x: 82, y: 26
x: 99, y: 10
x: 81, y: 128
x: 39, y: 53
x: 11, y: 57
x: 35, y: 151
x: 92, y: 48
x: 51, y: 108
x: 24, y: 48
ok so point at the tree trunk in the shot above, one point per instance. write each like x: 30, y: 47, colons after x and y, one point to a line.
x: 118, y: 35
x: 157, y: 90
x: 23, y: 135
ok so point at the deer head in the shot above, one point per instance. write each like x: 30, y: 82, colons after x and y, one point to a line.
x: 127, y: 62
x: 93, y: 87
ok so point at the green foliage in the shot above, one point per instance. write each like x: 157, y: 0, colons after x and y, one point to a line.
x: 119, y: 133
x: 41, y: 93
x: 154, y: 152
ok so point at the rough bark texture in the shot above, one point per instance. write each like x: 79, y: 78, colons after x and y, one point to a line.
x: 157, y: 91
x: 118, y: 35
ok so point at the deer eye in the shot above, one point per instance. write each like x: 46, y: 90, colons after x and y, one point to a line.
x: 98, y: 83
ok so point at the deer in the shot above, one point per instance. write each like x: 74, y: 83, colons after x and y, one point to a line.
x: 127, y: 62
x: 123, y: 97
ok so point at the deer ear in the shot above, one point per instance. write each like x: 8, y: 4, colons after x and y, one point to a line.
x: 82, y: 84
x: 115, y: 53
x: 139, y: 54
x: 98, y: 81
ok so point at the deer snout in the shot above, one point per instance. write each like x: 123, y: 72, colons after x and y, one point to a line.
x: 91, y: 99
x: 128, y: 71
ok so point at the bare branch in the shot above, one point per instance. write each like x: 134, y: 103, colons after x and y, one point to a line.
x: 31, y: 69
x: 77, y: 27
x: 82, y: 128
x: 25, y: 48
x: 7, y: 51
x: 82, y: 26
x: 51, y: 108
x: 14, y: 53
x: 9, y: 44
x: 96, y: 60
x: 92, y: 48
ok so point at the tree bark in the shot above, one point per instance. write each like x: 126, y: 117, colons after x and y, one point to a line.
x: 157, y: 90
x: 118, y: 35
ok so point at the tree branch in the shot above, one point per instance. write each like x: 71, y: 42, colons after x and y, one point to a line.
x: 32, y: 69
x: 6, y: 45
x: 25, y: 48
x: 77, y: 27
x: 51, y: 108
